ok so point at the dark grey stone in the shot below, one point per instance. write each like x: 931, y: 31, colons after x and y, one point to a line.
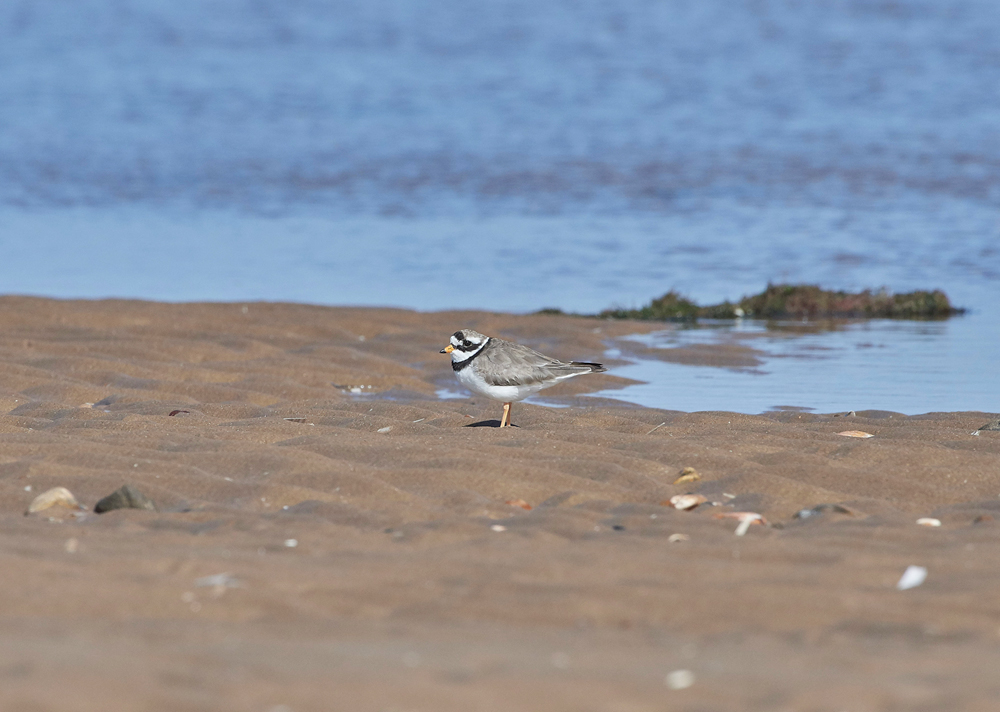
x: 125, y: 497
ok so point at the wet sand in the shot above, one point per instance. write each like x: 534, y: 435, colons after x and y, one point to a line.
x: 412, y: 584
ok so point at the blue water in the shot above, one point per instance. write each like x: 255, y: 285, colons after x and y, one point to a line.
x: 513, y: 155
x: 904, y: 366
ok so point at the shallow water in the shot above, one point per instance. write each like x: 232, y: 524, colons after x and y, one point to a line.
x: 904, y: 366
x: 514, y: 156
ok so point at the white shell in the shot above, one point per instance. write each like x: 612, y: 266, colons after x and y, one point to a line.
x: 687, y: 501
x: 52, y: 497
x: 912, y: 577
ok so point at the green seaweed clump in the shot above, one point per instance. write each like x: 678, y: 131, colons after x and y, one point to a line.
x: 670, y: 307
x: 798, y: 301
x: 802, y: 301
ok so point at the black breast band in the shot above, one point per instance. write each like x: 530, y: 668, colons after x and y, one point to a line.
x: 459, y: 365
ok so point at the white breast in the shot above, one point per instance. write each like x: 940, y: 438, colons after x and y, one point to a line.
x: 470, y: 378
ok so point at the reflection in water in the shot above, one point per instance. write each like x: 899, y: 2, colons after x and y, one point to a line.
x: 904, y: 366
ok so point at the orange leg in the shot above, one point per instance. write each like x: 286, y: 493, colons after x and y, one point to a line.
x: 505, y: 419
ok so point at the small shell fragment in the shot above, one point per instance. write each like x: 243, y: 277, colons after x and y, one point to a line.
x: 679, y: 679
x: 688, y: 474
x: 820, y: 508
x: 518, y: 503
x: 50, y: 498
x: 911, y: 578
x: 929, y: 522
x: 226, y: 580
x: 741, y: 516
x: 856, y: 434
x: 498, y: 528
x: 674, y: 538
x: 686, y: 501
x: 745, y: 520
x: 218, y: 583
x: 386, y: 429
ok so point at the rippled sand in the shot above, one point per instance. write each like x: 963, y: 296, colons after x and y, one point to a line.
x: 372, y: 561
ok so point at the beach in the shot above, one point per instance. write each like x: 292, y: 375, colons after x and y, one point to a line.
x: 330, y: 534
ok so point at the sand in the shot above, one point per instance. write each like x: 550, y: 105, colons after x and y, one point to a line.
x: 365, y: 556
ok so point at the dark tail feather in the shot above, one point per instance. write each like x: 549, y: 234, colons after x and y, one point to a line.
x: 594, y: 367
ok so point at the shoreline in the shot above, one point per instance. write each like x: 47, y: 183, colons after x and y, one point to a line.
x: 417, y: 578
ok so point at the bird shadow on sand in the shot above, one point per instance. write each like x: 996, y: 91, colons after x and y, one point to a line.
x: 486, y: 424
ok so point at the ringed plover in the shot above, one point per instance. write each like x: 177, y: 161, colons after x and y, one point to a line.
x: 505, y: 371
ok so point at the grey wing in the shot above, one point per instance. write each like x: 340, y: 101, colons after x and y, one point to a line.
x: 505, y: 363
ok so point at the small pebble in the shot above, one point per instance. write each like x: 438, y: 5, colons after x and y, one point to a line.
x: 674, y: 538
x: 929, y: 522
x: 72, y: 545
x: 125, y: 497
x: 856, y: 434
x: 291, y: 543
x: 385, y: 429
x: 498, y: 528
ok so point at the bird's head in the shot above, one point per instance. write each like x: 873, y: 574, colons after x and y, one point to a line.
x: 464, y: 344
